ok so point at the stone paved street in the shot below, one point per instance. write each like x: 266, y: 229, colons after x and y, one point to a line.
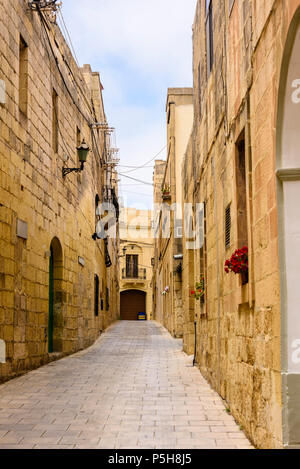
x: 134, y: 388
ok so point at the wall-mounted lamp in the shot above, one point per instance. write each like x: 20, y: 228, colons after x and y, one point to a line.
x: 82, y: 152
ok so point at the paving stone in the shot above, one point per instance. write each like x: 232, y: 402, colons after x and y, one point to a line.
x: 45, y: 446
x: 111, y: 397
x: 17, y: 446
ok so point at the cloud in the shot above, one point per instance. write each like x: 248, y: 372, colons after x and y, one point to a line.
x: 140, y: 48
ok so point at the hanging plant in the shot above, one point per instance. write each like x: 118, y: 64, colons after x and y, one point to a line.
x: 199, y: 290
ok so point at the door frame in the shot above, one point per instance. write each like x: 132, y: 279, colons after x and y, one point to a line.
x: 290, y: 381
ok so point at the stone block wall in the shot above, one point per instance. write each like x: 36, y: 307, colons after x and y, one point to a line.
x: 239, y: 326
x: 38, y: 205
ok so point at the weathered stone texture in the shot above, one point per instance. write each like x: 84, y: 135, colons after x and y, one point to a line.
x: 238, y: 325
x: 137, y: 237
x: 33, y: 191
x: 167, y: 270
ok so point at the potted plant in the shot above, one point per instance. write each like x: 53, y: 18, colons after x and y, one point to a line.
x: 199, y: 291
x: 238, y: 264
x: 166, y: 191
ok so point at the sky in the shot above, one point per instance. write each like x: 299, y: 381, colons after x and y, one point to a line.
x: 141, y: 48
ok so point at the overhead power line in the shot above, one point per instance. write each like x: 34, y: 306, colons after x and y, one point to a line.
x: 89, y: 107
x: 134, y: 179
x: 67, y: 34
x: 147, y: 162
x: 124, y: 166
x: 136, y: 193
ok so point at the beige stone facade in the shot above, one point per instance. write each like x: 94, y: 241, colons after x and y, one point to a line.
x: 246, y: 102
x: 167, y: 180
x: 56, y: 292
x: 136, y: 250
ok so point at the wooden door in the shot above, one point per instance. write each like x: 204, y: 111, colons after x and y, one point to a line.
x: 51, y: 303
x: 132, y: 303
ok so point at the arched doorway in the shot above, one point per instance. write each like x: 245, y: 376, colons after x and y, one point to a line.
x: 55, y: 320
x: 132, y: 303
x: 288, y: 191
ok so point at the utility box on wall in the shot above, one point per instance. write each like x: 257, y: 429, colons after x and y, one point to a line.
x: 2, y: 351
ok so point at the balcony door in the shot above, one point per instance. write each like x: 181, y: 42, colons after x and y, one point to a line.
x: 132, y: 266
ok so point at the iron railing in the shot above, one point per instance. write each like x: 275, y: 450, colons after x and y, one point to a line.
x: 134, y: 274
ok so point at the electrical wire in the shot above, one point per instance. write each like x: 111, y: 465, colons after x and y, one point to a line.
x: 44, y: 23
x: 136, y: 193
x: 63, y: 23
x: 92, y: 111
x: 147, y: 162
x: 134, y: 179
x: 56, y: 116
x: 63, y: 140
x: 88, y: 104
x: 124, y: 166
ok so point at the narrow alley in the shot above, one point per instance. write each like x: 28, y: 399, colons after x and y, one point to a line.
x: 134, y: 388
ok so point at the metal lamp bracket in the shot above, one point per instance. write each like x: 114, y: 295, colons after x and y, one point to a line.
x: 66, y: 171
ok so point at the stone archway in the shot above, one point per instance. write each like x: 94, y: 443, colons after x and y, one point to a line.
x: 288, y: 191
x: 132, y: 302
x: 55, y: 319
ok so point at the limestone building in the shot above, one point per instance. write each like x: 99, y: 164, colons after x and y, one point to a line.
x: 58, y: 284
x: 168, y: 212
x: 136, y: 251
x: 242, y: 164
x: 158, y: 177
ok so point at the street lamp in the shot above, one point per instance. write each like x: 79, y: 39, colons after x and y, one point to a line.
x: 82, y: 152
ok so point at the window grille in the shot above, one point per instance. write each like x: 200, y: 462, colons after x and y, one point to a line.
x: 228, y: 226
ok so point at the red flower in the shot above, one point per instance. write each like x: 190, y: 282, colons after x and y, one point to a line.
x: 238, y: 262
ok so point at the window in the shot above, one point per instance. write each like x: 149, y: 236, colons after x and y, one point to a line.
x: 23, y: 76
x: 209, y: 37
x: 54, y: 121
x: 132, y: 270
x: 96, y: 293
x: 241, y: 195
x: 228, y: 226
